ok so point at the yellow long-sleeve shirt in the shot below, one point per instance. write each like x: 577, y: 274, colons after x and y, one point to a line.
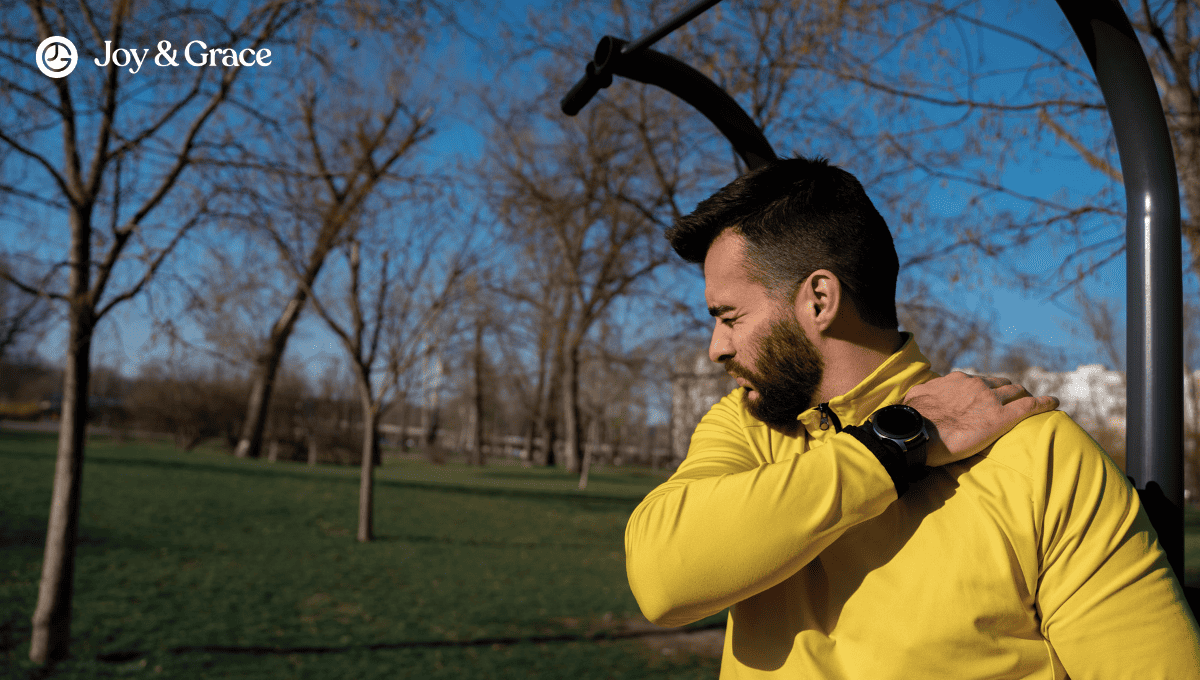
x: 1032, y: 559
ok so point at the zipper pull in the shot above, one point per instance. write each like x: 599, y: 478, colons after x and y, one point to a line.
x: 827, y: 415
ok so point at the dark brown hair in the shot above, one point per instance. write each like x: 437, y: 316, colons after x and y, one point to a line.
x: 799, y: 215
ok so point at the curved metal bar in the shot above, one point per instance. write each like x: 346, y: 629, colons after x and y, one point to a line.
x: 1154, y: 278
x: 597, y: 78
x: 655, y: 68
x: 693, y: 87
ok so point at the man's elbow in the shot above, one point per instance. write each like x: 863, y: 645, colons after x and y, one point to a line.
x: 658, y: 608
x: 651, y: 583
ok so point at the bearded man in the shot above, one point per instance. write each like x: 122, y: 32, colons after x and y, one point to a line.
x: 862, y: 517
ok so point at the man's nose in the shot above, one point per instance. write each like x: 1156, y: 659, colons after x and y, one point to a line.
x: 720, y: 349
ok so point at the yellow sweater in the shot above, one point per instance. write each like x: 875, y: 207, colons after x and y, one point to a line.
x: 1033, y: 559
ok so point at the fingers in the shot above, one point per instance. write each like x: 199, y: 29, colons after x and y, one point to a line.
x: 1045, y: 403
x: 1009, y: 392
x: 994, y: 380
x: 1016, y: 398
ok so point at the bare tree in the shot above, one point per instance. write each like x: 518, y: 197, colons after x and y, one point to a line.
x: 322, y: 178
x: 480, y: 371
x: 593, y: 193
x: 612, y: 393
x: 392, y: 318
x: 119, y: 188
x: 189, y: 403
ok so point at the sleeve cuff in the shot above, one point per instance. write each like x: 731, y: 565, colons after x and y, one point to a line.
x: 891, y: 459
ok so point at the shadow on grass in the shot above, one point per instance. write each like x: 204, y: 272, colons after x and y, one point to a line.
x: 20, y: 529
x: 257, y: 650
x: 574, y: 497
x: 631, y: 477
x: 414, y: 538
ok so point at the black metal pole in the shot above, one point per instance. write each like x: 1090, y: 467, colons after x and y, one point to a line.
x: 691, y: 12
x: 1154, y: 278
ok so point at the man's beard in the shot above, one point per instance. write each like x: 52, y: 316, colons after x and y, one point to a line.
x: 791, y: 368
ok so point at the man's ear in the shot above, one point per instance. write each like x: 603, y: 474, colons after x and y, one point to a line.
x: 819, y: 300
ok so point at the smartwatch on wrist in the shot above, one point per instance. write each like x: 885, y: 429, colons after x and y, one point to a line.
x: 897, y: 435
x: 905, y: 427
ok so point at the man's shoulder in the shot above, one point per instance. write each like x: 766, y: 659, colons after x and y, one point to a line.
x: 1042, y: 442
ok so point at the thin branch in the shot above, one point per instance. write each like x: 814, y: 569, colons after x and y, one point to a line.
x: 24, y: 287
x: 25, y: 151
x: 1091, y: 158
x: 101, y: 279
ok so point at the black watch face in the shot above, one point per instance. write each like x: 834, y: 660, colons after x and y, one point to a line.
x: 898, y: 422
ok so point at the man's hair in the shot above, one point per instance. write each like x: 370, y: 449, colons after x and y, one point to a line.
x: 799, y: 215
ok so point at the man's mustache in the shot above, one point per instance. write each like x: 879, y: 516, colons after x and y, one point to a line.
x: 736, y: 371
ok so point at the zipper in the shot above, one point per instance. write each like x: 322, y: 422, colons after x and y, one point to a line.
x: 827, y: 414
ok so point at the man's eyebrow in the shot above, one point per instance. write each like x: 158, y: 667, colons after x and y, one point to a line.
x: 718, y: 311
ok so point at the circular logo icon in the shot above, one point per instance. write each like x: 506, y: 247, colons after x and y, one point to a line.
x: 56, y: 57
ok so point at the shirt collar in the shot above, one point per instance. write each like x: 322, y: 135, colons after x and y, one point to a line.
x: 887, y: 384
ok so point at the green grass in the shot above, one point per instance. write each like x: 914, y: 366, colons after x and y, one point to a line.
x: 199, y: 565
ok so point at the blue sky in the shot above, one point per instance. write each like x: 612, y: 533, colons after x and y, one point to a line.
x: 1019, y: 314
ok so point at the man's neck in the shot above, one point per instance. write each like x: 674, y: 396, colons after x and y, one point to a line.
x: 849, y: 361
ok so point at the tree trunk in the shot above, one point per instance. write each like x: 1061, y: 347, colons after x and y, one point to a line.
x: 266, y: 366
x: 51, y: 635
x: 312, y: 449
x: 527, y: 446
x: 614, y: 451
x: 550, y: 427
x: 404, y: 412
x: 366, y: 481
x: 589, y: 452
x: 571, y: 425
x: 652, y: 446
x: 554, y: 381
x: 476, y: 450
x: 431, y: 414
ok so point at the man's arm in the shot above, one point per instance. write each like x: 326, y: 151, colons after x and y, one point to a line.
x: 727, y: 525
x: 1109, y: 602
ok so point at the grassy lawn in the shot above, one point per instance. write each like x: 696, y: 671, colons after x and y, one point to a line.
x: 199, y: 565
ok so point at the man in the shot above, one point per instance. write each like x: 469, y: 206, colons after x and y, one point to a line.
x: 981, y: 535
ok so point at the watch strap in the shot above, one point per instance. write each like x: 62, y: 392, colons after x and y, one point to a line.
x: 888, y: 454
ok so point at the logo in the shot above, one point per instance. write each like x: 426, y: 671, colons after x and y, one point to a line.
x: 56, y: 57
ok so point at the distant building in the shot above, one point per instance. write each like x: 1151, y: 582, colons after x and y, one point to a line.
x: 697, y: 383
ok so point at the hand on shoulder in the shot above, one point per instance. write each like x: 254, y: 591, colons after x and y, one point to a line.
x: 966, y: 413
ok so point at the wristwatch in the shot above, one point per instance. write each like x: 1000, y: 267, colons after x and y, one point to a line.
x: 897, y: 435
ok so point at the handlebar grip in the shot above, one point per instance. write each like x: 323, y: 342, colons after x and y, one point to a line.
x: 583, y: 91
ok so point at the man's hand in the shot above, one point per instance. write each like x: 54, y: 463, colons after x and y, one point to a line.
x: 969, y: 412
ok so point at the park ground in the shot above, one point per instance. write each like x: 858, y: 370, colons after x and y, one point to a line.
x: 200, y: 565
